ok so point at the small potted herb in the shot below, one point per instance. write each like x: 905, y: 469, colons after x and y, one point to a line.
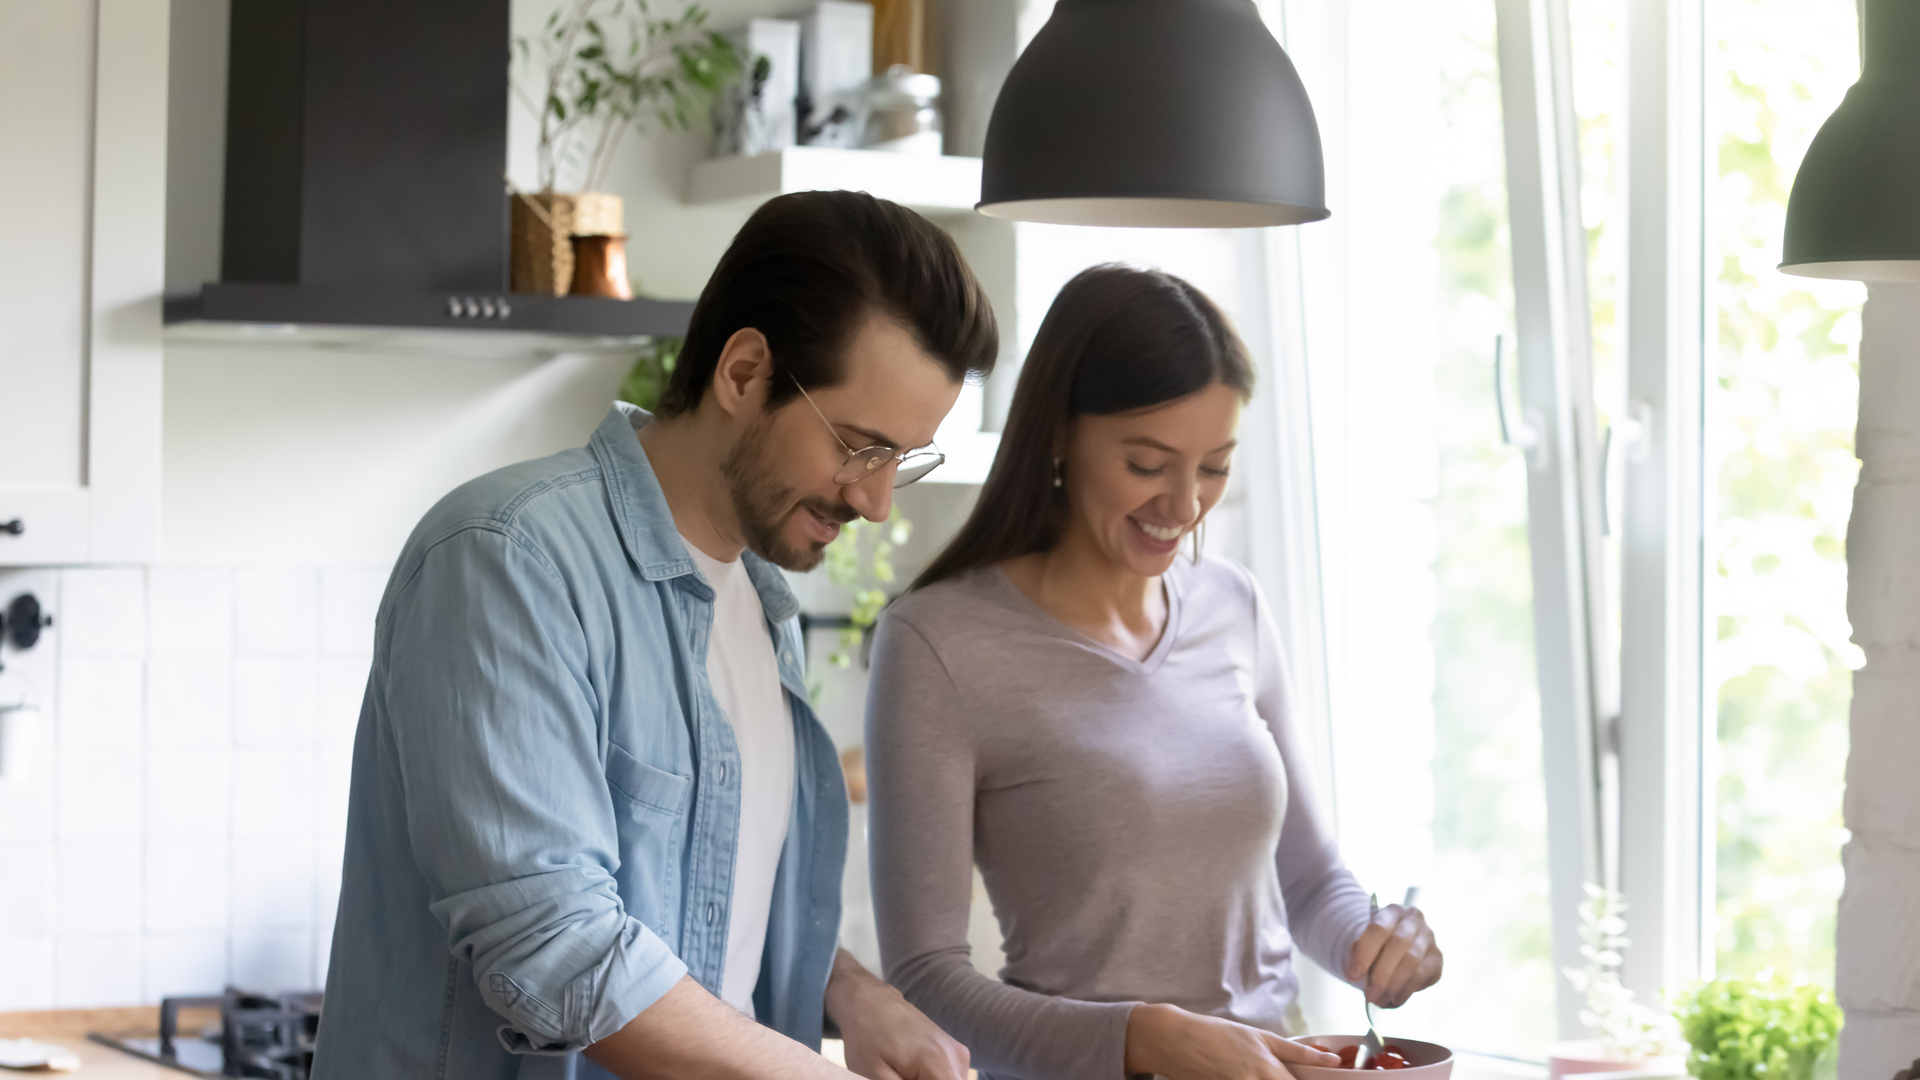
x: 597, y: 70
x: 1761, y: 1029
x: 1628, y: 1034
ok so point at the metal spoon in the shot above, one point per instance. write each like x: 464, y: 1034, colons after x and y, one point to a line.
x: 1370, y: 1049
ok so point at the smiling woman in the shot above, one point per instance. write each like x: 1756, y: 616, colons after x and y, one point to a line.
x: 1104, y: 727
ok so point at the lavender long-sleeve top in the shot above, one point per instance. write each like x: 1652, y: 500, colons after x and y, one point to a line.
x: 1146, y: 829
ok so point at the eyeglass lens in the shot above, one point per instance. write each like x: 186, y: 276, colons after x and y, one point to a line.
x: 866, y: 462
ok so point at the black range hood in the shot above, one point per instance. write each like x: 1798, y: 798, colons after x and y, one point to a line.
x: 366, y: 149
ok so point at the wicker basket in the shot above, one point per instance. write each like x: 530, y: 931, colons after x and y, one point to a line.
x: 543, y: 229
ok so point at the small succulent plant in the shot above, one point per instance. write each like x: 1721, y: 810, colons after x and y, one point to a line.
x: 1628, y: 1030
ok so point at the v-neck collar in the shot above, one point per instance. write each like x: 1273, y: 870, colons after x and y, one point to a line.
x: 1058, y: 626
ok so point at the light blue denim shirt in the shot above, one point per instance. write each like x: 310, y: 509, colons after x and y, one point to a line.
x: 540, y: 837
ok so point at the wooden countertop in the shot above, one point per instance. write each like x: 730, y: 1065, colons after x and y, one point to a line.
x: 69, y: 1027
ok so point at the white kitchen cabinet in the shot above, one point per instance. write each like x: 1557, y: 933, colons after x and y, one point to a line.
x: 83, y: 121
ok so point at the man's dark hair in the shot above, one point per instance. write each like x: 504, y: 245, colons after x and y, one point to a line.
x: 808, y: 269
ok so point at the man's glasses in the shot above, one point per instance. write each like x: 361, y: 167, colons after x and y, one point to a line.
x: 861, y: 464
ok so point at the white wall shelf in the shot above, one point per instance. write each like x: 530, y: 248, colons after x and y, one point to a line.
x: 934, y: 186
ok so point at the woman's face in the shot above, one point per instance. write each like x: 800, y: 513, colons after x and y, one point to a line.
x: 1138, y: 482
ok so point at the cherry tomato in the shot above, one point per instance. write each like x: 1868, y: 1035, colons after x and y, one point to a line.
x: 1348, y: 1054
x: 1389, y: 1059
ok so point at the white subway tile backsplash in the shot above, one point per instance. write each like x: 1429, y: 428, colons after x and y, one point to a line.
x: 26, y: 799
x: 343, y: 687
x: 335, y: 779
x: 99, y: 889
x: 272, y: 884
x: 189, y: 793
x: 273, y: 792
x: 275, y: 611
x: 189, y: 611
x: 26, y: 900
x: 93, y: 971
x: 349, y: 599
x: 322, y: 948
x: 330, y: 854
x: 329, y: 858
x: 274, y: 700
x: 190, y: 701
x: 102, y: 612
x: 273, y: 962
x: 179, y: 965
x: 186, y: 886
x: 98, y: 796
x: 26, y: 973
x: 185, y: 824
x: 101, y: 701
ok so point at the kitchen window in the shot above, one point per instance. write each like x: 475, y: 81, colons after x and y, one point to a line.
x: 1595, y: 632
x: 1387, y: 320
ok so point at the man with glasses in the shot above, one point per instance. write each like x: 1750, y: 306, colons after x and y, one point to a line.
x: 595, y: 827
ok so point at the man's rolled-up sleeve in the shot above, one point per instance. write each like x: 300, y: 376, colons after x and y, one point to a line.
x: 492, y: 718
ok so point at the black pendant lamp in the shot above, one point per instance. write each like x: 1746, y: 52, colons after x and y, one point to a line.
x: 1855, y: 208
x: 1158, y: 113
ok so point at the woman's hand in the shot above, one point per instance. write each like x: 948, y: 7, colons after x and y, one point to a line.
x: 1395, y: 956
x: 1174, y: 1043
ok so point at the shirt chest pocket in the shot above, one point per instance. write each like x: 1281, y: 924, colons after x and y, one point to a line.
x: 650, y: 805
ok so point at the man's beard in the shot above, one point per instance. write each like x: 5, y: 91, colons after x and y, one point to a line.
x: 762, y: 503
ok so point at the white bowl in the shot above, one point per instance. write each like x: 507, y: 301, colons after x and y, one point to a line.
x: 1425, y: 1060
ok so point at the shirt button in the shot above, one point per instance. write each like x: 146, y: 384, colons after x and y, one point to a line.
x: 787, y: 656
x: 723, y: 773
x: 712, y: 909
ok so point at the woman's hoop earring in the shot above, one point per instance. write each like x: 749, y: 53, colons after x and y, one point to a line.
x: 1058, y: 480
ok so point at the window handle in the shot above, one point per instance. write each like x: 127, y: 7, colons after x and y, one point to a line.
x: 1522, y: 434
x: 1630, y: 431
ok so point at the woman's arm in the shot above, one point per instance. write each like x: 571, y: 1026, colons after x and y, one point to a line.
x: 1326, y: 908
x: 921, y: 775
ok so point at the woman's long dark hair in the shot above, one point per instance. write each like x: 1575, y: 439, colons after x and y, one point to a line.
x: 1116, y: 339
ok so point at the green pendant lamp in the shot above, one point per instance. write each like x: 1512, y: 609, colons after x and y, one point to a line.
x: 1159, y: 113
x: 1855, y: 208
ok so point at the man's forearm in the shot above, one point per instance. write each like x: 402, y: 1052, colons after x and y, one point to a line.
x: 689, y: 1032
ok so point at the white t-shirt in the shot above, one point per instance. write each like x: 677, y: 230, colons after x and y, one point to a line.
x: 746, y: 682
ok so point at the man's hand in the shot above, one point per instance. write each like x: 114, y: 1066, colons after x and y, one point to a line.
x: 888, y: 1039
x: 1395, y: 956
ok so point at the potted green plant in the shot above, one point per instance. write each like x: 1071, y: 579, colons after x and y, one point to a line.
x: 597, y: 70
x: 652, y: 366
x: 1628, y: 1035
x: 1759, y: 1029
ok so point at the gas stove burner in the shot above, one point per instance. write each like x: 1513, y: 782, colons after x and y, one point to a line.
x: 259, y: 1035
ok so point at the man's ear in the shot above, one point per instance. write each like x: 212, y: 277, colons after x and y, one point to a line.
x: 740, y: 379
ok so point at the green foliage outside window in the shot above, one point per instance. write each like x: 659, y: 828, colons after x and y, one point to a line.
x: 1783, y: 391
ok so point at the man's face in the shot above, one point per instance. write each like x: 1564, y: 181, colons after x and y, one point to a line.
x: 780, y: 472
